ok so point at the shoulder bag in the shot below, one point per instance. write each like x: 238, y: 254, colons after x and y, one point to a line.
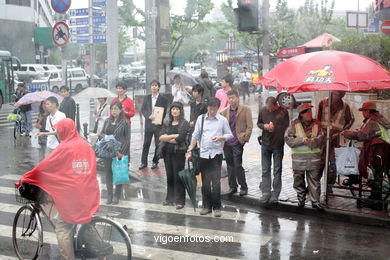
x: 196, y: 151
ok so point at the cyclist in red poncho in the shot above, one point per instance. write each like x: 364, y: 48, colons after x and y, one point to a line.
x: 68, y: 175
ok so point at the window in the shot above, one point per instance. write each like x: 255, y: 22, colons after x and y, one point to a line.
x: 78, y: 73
x: 23, y: 68
x: 18, y: 2
x: 31, y: 69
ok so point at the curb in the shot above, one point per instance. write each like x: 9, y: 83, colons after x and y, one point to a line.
x: 330, y: 214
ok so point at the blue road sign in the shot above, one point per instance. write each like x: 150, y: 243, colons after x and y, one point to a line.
x: 100, y: 38
x: 99, y: 20
x: 85, y: 12
x: 80, y: 39
x: 373, y: 26
x: 82, y: 30
x: 78, y: 21
x: 98, y: 2
x: 60, y: 6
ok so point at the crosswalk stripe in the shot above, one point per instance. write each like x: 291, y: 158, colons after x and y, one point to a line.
x: 5, y: 257
x: 176, y: 230
x: 138, y: 251
x: 236, y: 216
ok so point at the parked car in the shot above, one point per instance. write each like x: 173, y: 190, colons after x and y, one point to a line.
x: 284, y: 99
x: 49, y: 67
x: 29, y: 72
x: 77, y: 79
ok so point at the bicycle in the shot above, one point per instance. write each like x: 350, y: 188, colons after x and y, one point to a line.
x: 27, y: 234
x: 17, y: 118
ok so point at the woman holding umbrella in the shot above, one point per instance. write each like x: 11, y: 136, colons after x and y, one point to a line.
x: 118, y: 126
x: 173, y: 143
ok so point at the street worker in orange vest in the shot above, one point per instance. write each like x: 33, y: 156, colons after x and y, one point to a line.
x: 305, y: 137
x: 341, y: 118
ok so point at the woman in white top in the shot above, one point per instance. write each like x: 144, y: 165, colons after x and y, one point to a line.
x: 102, y: 113
x: 178, y: 92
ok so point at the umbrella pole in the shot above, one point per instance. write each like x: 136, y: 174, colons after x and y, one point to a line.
x: 324, y: 190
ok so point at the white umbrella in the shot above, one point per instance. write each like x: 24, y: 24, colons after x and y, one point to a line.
x: 36, y: 97
x: 95, y: 93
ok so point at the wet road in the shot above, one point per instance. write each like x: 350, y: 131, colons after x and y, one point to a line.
x: 246, y: 233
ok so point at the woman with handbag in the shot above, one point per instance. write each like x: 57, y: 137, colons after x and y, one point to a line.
x: 115, y: 125
x: 173, y: 146
x: 102, y: 113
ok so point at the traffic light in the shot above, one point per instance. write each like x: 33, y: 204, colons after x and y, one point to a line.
x: 247, y: 15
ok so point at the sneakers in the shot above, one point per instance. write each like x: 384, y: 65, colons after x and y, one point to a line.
x: 273, y: 200
x: 23, y: 134
x: 301, y: 203
x: 264, y: 199
x: 217, y: 213
x: 243, y: 192
x: 205, y: 211
x: 318, y: 207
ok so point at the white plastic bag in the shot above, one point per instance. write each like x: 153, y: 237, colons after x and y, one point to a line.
x: 34, y: 138
x: 347, y: 160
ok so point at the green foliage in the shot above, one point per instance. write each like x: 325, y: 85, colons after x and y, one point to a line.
x: 133, y: 17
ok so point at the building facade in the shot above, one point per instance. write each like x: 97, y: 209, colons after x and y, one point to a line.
x: 21, y: 21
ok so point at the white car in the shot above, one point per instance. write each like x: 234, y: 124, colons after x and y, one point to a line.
x: 29, y: 72
x: 284, y: 99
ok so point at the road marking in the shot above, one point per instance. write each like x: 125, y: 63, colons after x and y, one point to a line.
x: 138, y: 251
x: 176, y: 230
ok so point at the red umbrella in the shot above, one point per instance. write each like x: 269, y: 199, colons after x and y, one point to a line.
x: 327, y: 70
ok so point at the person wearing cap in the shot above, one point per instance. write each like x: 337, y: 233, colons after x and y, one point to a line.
x: 305, y: 137
x: 375, y: 126
x: 341, y: 119
x: 273, y: 120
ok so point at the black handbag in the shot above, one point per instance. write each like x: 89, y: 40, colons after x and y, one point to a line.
x: 196, y: 152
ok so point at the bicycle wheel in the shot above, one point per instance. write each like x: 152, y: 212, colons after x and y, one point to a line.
x: 108, y: 240
x: 385, y: 185
x: 27, y: 233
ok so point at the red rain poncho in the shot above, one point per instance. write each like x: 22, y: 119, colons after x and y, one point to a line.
x: 68, y: 175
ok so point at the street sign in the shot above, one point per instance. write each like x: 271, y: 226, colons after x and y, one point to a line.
x: 84, y: 12
x: 99, y: 38
x: 385, y: 27
x: 60, y: 6
x: 78, y: 21
x: 80, y: 39
x: 357, y: 19
x: 373, y: 26
x: 98, y: 2
x: 85, y: 30
x: 60, y: 34
x: 99, y: 20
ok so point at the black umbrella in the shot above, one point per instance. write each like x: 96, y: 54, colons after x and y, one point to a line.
x: 188, y: 179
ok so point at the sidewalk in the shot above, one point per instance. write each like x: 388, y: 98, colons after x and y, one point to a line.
x: 338, y: 208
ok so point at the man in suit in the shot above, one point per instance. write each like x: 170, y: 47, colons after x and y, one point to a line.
x: 150, y: 102
x: 241, y: 125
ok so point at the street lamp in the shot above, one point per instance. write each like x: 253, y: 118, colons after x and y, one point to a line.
x: 231, y: 46
x: 248, y: 58
x: 201, y: 56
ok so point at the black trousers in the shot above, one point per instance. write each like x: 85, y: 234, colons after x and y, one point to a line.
x: 174, y: 162
x: 211, y: 182
x: 245, y: 89
x: 235, y: 170
x: 109, y: 178
x: 147, y: 141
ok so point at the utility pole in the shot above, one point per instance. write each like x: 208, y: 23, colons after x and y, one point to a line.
x: 151, y: 55
x: 91, y: 45
x: 112, y: 43
x: 265, y: 40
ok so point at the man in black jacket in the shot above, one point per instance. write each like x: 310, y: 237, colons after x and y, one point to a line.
x: 68, y: 105
x: 25, y: 111
x: 152, y: 128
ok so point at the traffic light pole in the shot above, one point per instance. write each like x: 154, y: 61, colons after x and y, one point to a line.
x: 91, y: 46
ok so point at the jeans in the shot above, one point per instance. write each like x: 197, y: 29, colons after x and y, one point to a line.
x: 26, y: 121
x: 245, y: 89
x: 109, y: 178
x: 235, y: 170
x: 211, y: 182
x: 174, y: 162
x: 267, y: 153
x: 147, y: 142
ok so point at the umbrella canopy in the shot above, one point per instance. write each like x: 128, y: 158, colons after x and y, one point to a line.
x: 324, y: 40
x: 108, y: 147
x: 186, y: 78
x: 36, y: 97
x: 327, y: 70
x: 188, y: 179
x: 95, y: 93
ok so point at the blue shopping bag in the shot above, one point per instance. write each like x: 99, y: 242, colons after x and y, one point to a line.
x: 120, y: 170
